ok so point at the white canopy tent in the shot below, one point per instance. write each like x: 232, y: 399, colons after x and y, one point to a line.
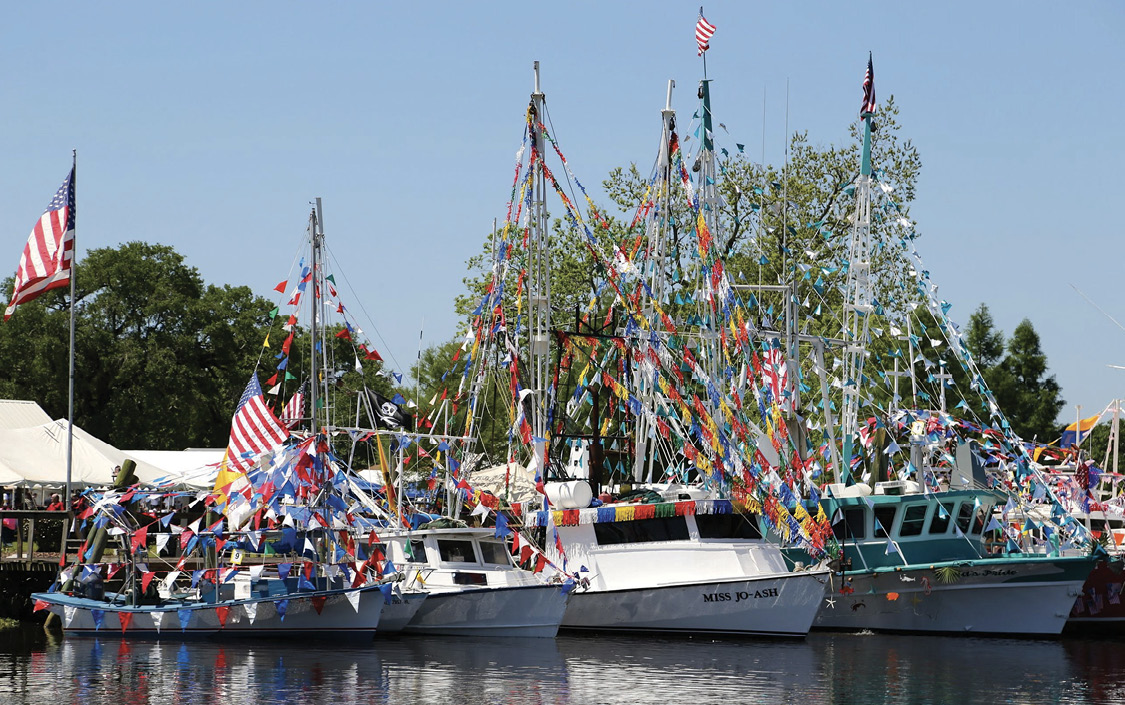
x: 36, y: 457
x: 194, y: 467
x: 520, y: 483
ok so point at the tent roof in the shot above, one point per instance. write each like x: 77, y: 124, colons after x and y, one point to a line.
x: 17, y: 413
x: 194, y: 467
x: 520, y: 482
x: 36, y: 455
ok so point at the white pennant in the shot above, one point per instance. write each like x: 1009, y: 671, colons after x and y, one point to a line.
x: 158, y: 620
x: 68, y: 614
x: 251, y: 611
x: 169, y: 581
x: 353, y: 598
x: 256, y: 573
x: 162, y: 541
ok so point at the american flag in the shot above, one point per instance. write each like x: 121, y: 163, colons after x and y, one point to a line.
x: 868, y: 89
x: 775, y: 372
x: 254, y: 429
x: 47, y: 258
x: 294, y: 409
x: 703, y: 32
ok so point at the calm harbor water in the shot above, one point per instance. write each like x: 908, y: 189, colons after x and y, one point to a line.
x: 825, y: 668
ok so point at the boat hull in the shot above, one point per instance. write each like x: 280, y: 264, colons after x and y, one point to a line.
x: 1002, y: 598
x: 1101, y: 606
x: 777, y: 605
x: 336, y: 618
x: 398, y: 614
x: 525, y: 610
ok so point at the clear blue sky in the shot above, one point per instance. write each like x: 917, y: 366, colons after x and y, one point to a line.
x: 211, y: 126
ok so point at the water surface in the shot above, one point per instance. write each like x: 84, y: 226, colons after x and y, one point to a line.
x: 825, y: 668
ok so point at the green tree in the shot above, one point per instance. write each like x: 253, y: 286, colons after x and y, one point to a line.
x: 161, y: 358
x: 1035, y: 399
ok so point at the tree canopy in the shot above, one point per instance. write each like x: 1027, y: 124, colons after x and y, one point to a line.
x: 161, y: 357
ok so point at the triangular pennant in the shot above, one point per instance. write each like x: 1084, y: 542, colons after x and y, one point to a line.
x: 353, y: 598
x: 251, y: 611
x: 318, y: 603
x: 222, y: 612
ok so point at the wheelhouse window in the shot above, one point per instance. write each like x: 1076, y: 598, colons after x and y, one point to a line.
x: 913, y: 519
x: 728, y: 526
x: 885, y: 518
x: 494, y: 552
x: 940, y: 523
x: 416, y: 550
x: 964, y: 517
x: 456, y: 551
x: 980, y: 518
x: 641, y: 531
x: 854, y: 525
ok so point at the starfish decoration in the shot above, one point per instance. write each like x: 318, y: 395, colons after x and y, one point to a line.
x: 831, y: 602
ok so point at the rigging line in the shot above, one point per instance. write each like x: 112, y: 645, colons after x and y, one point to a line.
x: 292, y: 266
x: 566, y: 171
x: 1100, y: 310
x: 362, y: 308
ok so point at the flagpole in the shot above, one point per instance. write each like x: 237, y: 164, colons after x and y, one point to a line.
x: 73, y: 273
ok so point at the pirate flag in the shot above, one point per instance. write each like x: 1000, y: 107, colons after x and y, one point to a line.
x: 388, y: 414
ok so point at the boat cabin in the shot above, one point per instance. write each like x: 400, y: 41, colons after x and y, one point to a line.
x: 452, y: 557
x: 884, y: 530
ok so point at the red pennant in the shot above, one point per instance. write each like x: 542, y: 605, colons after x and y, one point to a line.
x: 373, y: 354
x: 140, y: 538
x: 272, y: 380
x: 222, y: 612
x: 540, y: 563
x: 146, y: 579
x: 525, y: 553
x: 345, y: 334
x: 126, y: 619
x: 280, y: 288
x: 41, y: 605
x: 318, y: 602
x: 360, y: 574
x: 185, y: 538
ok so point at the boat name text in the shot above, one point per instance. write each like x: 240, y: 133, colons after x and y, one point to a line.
x: 738, y: 596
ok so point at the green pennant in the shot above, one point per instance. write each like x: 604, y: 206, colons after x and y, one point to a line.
x: 289, y: 376
x: 273, y: 313
x: 331, y: 278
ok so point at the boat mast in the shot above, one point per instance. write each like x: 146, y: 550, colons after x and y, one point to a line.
x: 708, y: 200
x: 539, y: 286
x: 658, y: 229
x: 858, y: 303
x: 316, y: 239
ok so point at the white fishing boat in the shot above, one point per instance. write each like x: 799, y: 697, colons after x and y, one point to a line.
x: 665, y: 564
x: 472, y: 585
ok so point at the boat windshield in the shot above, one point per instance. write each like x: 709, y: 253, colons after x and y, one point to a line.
x: 456, y: 551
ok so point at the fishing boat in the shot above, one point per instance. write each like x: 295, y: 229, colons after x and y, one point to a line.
x: 472, y: 586
x: 660, y: 555
x: 266, y: 582
x: 920, y: 549
x: 442, y: 578
x: 925, y: 562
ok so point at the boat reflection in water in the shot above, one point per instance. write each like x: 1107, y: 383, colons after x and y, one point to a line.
x: 825, y: 668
